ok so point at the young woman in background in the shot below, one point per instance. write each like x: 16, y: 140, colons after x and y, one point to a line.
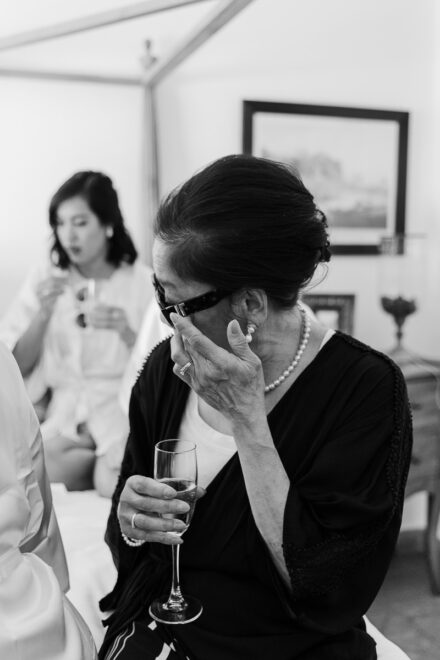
x: 72, y: 327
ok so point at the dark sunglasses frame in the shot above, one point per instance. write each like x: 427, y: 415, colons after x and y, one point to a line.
x: 190, y: 306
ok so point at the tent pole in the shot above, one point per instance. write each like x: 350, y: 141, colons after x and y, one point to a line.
x: 217, y: 19
x: 69, y: 77
x: 155, y: 71
x: 91, y: 22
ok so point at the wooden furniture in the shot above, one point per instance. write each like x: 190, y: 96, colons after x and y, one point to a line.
x: 423, y: 382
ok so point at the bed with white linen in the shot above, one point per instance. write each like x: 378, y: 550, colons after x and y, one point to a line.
x: 82, y: 517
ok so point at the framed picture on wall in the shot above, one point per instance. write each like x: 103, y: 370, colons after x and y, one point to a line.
x: 352, y: 160
x: 334, y: 310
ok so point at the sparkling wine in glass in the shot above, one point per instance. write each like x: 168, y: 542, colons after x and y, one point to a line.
x: 175, y: 464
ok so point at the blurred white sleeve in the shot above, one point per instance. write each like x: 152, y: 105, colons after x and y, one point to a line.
x: 17, y: 319
x: 22, y: 310
x: 37, y: 621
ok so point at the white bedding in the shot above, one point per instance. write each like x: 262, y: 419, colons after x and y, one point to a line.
x: 82, y: 517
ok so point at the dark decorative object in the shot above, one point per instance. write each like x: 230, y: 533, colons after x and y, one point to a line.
x: 399, y: 308
x: 353, y: 160
x: 400, y: 281
x: 333, y: 310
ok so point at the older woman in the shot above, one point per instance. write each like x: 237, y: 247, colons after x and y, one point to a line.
x: 72, y: 328
x: 303, y: 438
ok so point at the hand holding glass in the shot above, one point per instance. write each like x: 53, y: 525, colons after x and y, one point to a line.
x: 175, y: 464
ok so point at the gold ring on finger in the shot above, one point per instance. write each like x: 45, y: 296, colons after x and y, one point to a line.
x: 133, y: 521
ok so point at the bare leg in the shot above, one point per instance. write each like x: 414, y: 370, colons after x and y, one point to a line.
x: 105, y: 477
x: 69, y: 462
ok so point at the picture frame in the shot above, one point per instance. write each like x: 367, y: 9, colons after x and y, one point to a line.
x: 353, y: 161
x: 335, y: 310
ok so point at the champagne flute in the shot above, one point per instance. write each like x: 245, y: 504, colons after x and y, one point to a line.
x: 175, y: 464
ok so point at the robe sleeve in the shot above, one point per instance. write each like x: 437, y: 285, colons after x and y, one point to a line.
x: 17, y: 320
x: 343, y: 513
x: 37, y: 620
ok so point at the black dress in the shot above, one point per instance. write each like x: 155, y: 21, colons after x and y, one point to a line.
x: 343, y: 432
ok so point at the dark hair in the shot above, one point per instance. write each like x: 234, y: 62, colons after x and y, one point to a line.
x: 245, y: 222
x: 97, y: 190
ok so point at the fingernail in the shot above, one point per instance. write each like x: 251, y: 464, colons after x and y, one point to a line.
x: 173, y: 318
x: 182, y: 507
x: 235, y: 327
x: 169, y: 493
x: 179, y: 526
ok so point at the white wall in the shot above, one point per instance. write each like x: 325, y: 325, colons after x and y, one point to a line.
x: 380, y: 54
x: 375, y: 54
x: 371, y: 54
x: 47, y: 132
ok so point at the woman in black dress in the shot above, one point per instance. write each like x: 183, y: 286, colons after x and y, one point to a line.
x: 303, y: 434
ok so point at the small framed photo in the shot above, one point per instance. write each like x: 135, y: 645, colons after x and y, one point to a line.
x: 336, y: 311
x: 353, y: 161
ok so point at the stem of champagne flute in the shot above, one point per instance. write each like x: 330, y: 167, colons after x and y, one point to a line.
x: 175, y: 599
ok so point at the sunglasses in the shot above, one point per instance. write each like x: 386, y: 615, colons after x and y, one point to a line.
x: 82, y: 295
x: 190, y: 306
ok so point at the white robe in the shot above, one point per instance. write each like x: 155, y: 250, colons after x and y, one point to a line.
x: 82, y: 366
x: 37, y: 622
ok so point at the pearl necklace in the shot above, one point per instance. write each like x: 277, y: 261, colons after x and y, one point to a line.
x: 305, y: 326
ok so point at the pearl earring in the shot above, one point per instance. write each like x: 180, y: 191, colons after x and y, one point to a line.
x: 109, y: 232
x: 251, y: 327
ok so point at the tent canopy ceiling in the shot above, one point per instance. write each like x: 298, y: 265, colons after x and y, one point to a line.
x: 268, y: 31
x: 115, y: 49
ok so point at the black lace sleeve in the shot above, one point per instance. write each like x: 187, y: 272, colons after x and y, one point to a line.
x: 142, y: 571
x: 124, y: 556
x: 137, y: 460
x: 343, y: 516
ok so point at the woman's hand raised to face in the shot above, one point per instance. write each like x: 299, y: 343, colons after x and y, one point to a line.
x: 231, y: 382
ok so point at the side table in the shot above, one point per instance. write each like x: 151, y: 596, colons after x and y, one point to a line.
x: 423, y: 383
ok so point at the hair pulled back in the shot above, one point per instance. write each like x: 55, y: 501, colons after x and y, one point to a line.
x: 98, y: 191
x: 245, y: 222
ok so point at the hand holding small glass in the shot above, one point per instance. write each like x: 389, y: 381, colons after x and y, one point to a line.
x: 99, y: 315
x: 111, y: 317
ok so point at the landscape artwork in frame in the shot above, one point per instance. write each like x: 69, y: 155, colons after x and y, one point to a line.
x: 352, y: 160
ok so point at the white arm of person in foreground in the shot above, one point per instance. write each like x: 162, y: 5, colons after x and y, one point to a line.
x: 37, y: 620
